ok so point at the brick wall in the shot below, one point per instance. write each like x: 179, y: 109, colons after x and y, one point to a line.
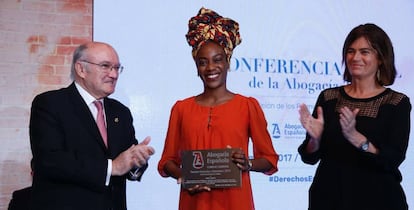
x: 37, y: 38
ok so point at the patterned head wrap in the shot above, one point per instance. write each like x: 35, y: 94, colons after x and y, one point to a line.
x: 208, y: 25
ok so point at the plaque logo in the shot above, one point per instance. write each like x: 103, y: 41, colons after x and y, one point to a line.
x: 198, y: 161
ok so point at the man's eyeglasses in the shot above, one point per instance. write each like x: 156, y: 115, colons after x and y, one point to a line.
x: 106, y: 67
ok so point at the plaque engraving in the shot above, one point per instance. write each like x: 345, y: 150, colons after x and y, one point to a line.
x: 213, y: 168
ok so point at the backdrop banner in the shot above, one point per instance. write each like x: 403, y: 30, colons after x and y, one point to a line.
x: 290, y: 51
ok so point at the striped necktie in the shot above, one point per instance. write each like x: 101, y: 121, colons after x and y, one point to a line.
x: 100, y: 121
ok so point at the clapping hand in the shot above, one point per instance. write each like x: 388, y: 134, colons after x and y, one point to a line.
x: 135, y: 156
x: 314, y: 126
x: 347, y: 119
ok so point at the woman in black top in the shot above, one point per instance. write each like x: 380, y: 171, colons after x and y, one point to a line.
x: 359, y: 132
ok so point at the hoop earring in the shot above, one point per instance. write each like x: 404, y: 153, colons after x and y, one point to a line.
x: 379, y: 76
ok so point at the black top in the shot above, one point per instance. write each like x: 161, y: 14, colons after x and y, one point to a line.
x: 348, y: 178
x: 21, y: 199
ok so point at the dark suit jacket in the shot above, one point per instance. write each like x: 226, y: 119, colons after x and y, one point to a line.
x: 70, y: 158
x: 20, y: 199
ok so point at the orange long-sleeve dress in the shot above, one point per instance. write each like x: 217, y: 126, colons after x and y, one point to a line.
x: 234, y: 123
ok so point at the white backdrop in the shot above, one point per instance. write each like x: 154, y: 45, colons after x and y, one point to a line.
x: 290, y: 50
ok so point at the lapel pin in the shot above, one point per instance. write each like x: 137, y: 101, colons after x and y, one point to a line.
x: 116, y: 119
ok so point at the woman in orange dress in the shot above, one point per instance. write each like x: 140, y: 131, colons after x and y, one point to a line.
x: 217, y: 119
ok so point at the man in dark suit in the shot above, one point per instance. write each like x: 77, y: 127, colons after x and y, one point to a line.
x: 78, y: 165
